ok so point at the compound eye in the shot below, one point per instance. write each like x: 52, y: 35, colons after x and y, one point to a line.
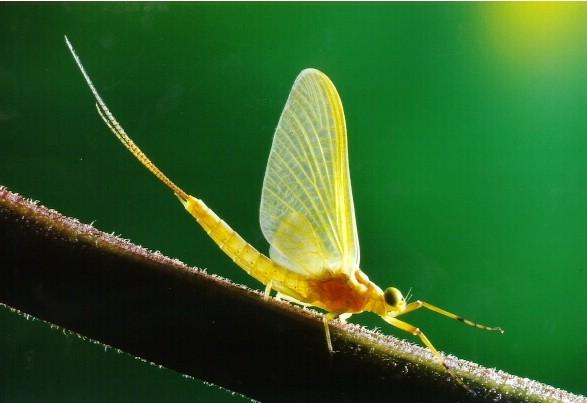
x: 392, y: 296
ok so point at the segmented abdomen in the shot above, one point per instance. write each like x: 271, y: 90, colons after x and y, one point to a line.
x: 244, y: 254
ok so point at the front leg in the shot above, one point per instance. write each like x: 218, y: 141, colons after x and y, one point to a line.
x: 421, y: 304
x: 417, y: 332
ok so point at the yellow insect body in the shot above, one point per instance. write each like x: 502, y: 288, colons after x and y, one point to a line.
x: 306, y: 214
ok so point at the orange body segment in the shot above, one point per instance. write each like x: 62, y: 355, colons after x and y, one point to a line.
x: 338, y: 294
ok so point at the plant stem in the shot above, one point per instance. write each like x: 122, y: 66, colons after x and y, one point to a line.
x: 105, y: 288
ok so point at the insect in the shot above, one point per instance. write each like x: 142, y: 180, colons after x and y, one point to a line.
x: 306, y: 215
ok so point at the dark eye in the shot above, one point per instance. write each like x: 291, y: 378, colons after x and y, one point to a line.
x: 391, y: 296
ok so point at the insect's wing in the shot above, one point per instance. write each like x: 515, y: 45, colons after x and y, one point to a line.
x: 307, y: 212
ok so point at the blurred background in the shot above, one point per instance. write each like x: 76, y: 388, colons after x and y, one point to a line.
x: 468, y: 144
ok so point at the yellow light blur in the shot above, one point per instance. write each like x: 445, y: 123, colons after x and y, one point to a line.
x: 537, y: 33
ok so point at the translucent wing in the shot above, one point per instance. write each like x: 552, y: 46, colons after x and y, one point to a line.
x: 307, y: 212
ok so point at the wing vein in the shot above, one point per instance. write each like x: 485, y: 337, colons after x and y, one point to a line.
x: 306, y: 205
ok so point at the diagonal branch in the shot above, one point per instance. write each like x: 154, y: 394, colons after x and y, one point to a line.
x: 72, y: 275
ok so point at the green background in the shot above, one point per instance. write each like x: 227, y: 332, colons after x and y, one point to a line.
x: 468, y: 142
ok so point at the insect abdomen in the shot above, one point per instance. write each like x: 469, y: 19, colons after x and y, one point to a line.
x: 240, y: 251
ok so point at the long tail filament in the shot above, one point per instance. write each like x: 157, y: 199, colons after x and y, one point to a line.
x: 117, y: 129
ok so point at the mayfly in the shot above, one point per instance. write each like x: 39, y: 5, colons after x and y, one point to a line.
x: 306, y: 215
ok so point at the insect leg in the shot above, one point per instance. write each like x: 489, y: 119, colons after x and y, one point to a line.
x: 325, y: 319
x: 421, y: 304
x: 344, y: 316
x: 417, y: 332
x: 268, y: 290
